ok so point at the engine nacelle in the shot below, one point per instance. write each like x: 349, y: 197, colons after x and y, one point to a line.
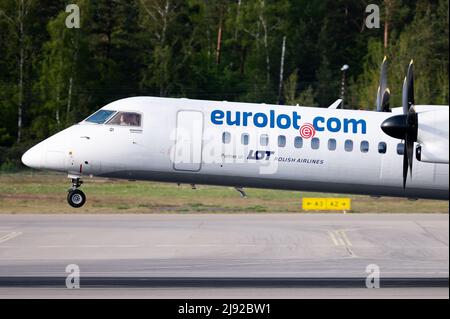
x: 433, y: 135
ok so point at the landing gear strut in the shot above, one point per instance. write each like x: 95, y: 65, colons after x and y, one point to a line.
x: 76, y: 197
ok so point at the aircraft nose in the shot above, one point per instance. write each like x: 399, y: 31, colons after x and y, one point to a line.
x: 32, y: 158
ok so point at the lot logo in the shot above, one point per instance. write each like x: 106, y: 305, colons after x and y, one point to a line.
x: 260, y: 155
x: 307, y: 131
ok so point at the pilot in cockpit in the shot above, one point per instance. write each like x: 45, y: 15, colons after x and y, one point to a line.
x: 129, y: 119
x: 121, y: 118
x: 125, y: 119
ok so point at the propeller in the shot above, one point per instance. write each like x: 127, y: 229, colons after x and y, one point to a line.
x: 383, y: 94
x: 405, y: 126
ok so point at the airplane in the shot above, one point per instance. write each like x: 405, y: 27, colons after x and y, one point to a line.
x: 259, y: 145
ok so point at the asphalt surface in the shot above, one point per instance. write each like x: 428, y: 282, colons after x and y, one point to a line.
x: 225, y: 256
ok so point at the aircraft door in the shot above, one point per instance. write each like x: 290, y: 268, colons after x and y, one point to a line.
x: 189, y: 141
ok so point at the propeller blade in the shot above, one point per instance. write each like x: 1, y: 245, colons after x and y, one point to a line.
x: 379, y: 99
x: 410, y: 153
x: 405, y: 167
x: 383, y: 94
x: 385, y: 101
x: 408, y: 89
x: 410, y: 79
x: 405, y: 97
x: 411, y: 135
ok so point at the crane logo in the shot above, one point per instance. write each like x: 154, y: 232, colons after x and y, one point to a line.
x: 307, y: 131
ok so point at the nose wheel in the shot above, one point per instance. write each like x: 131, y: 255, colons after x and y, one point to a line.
x: 76, y: 198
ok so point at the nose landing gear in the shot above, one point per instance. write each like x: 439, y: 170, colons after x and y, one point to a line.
x: 76, y: 197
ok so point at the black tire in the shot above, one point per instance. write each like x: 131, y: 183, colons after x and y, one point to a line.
x: 76, y: 198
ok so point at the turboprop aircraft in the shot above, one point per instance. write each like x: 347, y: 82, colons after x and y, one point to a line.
x: 259, y: 145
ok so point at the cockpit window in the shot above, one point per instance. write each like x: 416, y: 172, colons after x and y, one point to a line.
x: 100, y: 116
x: 126, y: 119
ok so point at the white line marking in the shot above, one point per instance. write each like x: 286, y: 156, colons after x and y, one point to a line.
x: 345, y: 238
x: 339, y: 238
x: 351, y: 253
x: 333, y: 238
x: 88, y: 246
x: 341, y: 241
x: 9, y: 236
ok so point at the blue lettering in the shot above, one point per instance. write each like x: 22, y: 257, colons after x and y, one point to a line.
x: 286, y: 119
x: 272, y: 118
x: 217, y: 116
x: 237, y: 120
x: 316, y: 123
x: 295, y: 119
x: 261, y: 116
x: 246, y: 116
x: 353, y: 124
x: 336, y: 127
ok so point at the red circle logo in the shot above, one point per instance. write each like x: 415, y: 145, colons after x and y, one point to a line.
x: 307, y: 131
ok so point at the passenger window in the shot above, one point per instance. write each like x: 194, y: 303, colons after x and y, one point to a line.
x: 226, y: 138
x: 332, y: 144
x: 100, y: 116
x: 126, y: 119
x: 348, y: 145
x: 298, y: 142
x: 315, y: 143
x: 281, y: 141
x: 364, y: 147
x: 245, y: 139
x: 400, y: 148
x: 264, y: 140
x: 382, y: 148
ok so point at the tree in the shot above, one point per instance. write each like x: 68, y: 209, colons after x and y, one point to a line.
x: 431, y: 61
x: 60, y: 70
x: 18, y: 19
x: 306, y: 96
x: 159, y: 21
x: 261, y: 19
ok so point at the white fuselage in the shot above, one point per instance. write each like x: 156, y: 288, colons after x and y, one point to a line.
x: 242, y: 144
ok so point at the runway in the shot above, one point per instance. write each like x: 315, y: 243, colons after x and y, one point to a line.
x: 225, y: 256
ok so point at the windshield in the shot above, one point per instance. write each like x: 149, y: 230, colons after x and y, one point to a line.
x: 100, y: 116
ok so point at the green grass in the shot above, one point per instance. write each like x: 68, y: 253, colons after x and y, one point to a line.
x: 46, y: 193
